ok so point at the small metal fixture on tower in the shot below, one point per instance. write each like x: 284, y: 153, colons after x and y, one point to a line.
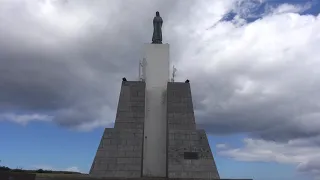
x: 124, y: 79
x: 187, y: 81
x: 174, y: 70
x: 142, y: 70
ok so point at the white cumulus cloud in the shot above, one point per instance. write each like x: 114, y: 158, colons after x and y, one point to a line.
x: 48, y: 167
x: 24, y: 119
x: 304, y: 153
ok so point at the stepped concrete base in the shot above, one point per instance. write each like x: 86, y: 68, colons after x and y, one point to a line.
x: 189, y: 152
x: 120, y: 154
x: 110, y: 178
x: 89, y: 177
x: 120, y: 150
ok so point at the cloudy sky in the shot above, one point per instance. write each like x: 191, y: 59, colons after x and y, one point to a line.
x: 253, y: 65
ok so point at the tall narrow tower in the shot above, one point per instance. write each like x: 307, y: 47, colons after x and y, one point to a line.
x: 155, y: 121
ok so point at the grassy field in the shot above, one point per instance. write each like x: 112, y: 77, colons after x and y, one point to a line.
x: 59, y: 175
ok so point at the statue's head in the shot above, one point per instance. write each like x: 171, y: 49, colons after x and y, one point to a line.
x: 157, y: 13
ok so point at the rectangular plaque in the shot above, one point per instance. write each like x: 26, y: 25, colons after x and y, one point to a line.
x: 191, y: 155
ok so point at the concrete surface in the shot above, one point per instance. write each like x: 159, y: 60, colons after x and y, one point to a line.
x: 120, y: 150
x: 155, y: 126
x: 184, y: 137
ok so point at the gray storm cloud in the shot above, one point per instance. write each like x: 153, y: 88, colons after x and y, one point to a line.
x: 67, y: 58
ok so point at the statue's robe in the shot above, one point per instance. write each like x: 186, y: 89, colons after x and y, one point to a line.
x: 157, y: 33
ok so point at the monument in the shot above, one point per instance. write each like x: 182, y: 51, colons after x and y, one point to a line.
x: 155, y: 132
x: 157, y: 29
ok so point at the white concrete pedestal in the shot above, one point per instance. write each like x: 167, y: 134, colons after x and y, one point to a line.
x: 155, y: 124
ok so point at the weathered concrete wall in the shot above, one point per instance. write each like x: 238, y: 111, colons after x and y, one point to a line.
x: 180, y: 107
x: 119, y: 154
x: 131, y: 106
x: 155, y: 125
x: 181, y: 141
x: 120, y: 150
x: 184, y: 138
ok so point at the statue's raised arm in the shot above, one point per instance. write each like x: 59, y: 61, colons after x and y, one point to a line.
x: 157, y: 32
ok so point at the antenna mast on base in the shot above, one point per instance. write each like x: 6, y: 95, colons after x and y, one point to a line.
x: 174, y: 70
x: 142, y: 70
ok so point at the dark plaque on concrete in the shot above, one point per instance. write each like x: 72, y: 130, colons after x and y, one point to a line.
x: 157, y: 32
x: 190, y: 155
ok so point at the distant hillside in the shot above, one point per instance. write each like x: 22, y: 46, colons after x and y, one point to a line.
x: 4, y: 168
